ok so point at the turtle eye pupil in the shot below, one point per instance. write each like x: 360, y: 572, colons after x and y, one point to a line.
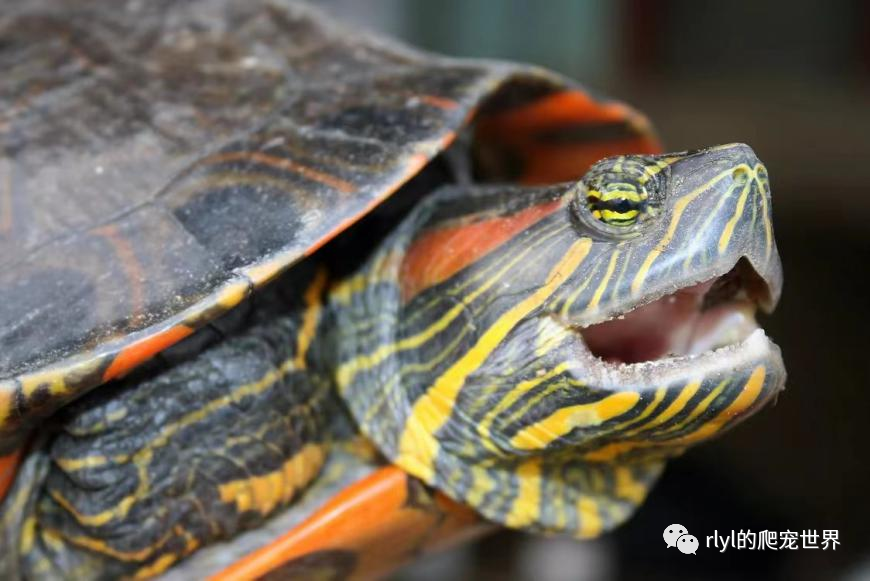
x: 623, y: 206
x: 614, y: 209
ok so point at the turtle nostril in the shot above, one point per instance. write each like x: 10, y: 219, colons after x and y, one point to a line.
x: 740, y: 174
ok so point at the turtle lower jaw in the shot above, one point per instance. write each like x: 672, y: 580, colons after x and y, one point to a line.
x: 713, y: 319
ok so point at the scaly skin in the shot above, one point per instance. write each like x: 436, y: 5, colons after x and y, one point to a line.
x: 454, y: 348
x: 210, y: 439
x: 471, y: 375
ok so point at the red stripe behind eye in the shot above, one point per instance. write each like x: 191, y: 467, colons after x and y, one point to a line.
x: 442, y: 252
x: 8, y: 469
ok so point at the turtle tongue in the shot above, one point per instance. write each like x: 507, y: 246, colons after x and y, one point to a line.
x: 682, y: 323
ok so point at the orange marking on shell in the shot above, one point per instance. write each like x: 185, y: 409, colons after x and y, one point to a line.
x: 438, y: 102
x: 8, y: 468
x: 414, y: 164
x: 516, y: 129
x: 441, y: 253
x: 371, y: 518
x: 557, y: 109
x: 284, y: 164
x: 131, y: 265
x: 140, y: 351
x: 417, y: 162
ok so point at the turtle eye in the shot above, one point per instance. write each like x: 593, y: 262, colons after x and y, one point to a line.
x: 617, y: 204
x: 620, y: 196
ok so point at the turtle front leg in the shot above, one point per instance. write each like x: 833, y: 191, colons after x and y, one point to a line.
x: 137, y: 475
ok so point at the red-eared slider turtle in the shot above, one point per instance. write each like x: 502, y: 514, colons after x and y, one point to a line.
x: 277, y: 296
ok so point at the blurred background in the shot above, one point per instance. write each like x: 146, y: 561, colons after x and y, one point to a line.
x: 793, y: 81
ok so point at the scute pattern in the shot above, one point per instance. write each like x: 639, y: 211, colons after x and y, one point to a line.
x: 176, y: 152
x: 122, y: 106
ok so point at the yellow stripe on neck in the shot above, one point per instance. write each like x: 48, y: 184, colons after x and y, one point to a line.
x: 348, y: 370
x: 418, y: 445
x: 527, y: 505
x: 540, y: 434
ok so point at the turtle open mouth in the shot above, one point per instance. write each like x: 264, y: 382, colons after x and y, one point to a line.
x: 690, y: 321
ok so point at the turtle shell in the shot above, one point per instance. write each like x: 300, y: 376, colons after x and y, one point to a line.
x: 161, y: 160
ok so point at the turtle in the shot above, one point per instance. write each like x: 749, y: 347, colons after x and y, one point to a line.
x: 280, y: 297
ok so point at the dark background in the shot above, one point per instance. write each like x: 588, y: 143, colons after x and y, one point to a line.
x: 792, y: 79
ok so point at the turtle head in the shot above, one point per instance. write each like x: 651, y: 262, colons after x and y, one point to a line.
x: 682, y: 253
x: 539, y: 352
